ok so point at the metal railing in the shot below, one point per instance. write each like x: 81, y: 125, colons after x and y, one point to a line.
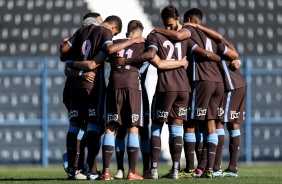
x: 44, y: 71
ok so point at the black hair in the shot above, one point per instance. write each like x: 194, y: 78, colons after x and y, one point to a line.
x: 113, y: 19
x: 168, y: 12
x: 191, y: 13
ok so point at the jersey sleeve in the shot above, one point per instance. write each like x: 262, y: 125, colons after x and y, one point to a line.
x: 221, y: 48
x: 152, y: 41
x: 191, y: 45
x: 106, y: 38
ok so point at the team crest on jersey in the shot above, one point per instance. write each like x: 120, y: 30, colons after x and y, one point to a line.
x: 182, y: 111
x: 73, y: 113
x: 112, y: 117
x: 201, y: 112
x: 220, y: 111
x: 161, y: 114
x: 134, y: 118
x: 92, y: 112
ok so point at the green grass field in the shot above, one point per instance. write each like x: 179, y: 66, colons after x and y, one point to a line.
x: 257, y: 173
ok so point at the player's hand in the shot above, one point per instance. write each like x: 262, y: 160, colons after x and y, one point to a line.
x: 236, y: 64
x: 89, y: 76
x: 185, y: 62
x: 190, y: 24
x: 138, y: 40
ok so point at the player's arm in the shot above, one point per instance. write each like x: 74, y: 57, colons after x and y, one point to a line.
x: 66, y: 44
x: 217, y: 37
x: 113, y: 48
x: 182, y: 34
x: 230, y: 54
x: 168, y: 64
x: 146, y: 56
x: 207, y: 55
x: 90, y: 64
x: 72, y: 72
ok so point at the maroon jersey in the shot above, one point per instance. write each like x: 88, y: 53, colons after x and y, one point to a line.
x: 174, y: 79
x: 233, y: 79
x: 88, y: 43
x: 126, y: 76
x: 202, y: 70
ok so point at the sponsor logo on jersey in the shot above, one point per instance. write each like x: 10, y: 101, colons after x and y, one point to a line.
x: 134, y: 117
x: 161, y: 114
x: 112, y: 117
x: 92, y: 112
x: 182, y: 111
x: 73, y: 113
x: 220, y: 111
x: 234, y: 115
x: 201, y: 112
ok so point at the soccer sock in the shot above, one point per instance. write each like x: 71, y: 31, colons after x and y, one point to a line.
x: 189, y: 149
x: 120, y: 146
x: 108, y: 150
x: 145, y: 151
x: 218, y: 157
x: 212, y: 141
x: 155, y: 144
x: 93, y: 146
x: 71, y: 147
x: 199, y: 146
x: 177, y: 132
x: 82, y: 155
x: 132, y: 151
x: 234, y: 147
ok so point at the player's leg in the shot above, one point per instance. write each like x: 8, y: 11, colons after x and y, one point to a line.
x: 94, y: 129
x: 132, y: 152
x: 145, y: 147
x: 235, y: 117
x: 108, y: 148
x: 120, y: 148
x: 234, y: 146
x: 76, y: 114
x: 217, y: 171
x: 189, y: 147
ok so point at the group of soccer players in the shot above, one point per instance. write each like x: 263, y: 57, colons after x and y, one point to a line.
x: 199, y: 88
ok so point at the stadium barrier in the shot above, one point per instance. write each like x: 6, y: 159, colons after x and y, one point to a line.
x: 31, y: 110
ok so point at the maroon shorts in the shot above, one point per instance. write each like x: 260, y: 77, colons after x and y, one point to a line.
x: 206, y: 101
x: 86, y: 106
x: 172, y: 103
x: 79, y: 104
x: 235, y: 105
x: 124, y: 107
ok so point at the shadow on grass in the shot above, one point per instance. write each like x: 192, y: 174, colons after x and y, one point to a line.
x: 31, y: 179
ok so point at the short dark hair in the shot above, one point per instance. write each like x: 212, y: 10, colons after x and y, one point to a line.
x: 113, y: 19
x: 134, y: 25
x: 168, y: 12
x: 191, y: 13
x: 91, y: 14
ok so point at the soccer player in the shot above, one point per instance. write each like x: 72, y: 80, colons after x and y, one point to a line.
x: 143, y: 132
x: 87, y: 98
x: 88, y: 19
x: 235, y: 100
x: 207, y: 97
